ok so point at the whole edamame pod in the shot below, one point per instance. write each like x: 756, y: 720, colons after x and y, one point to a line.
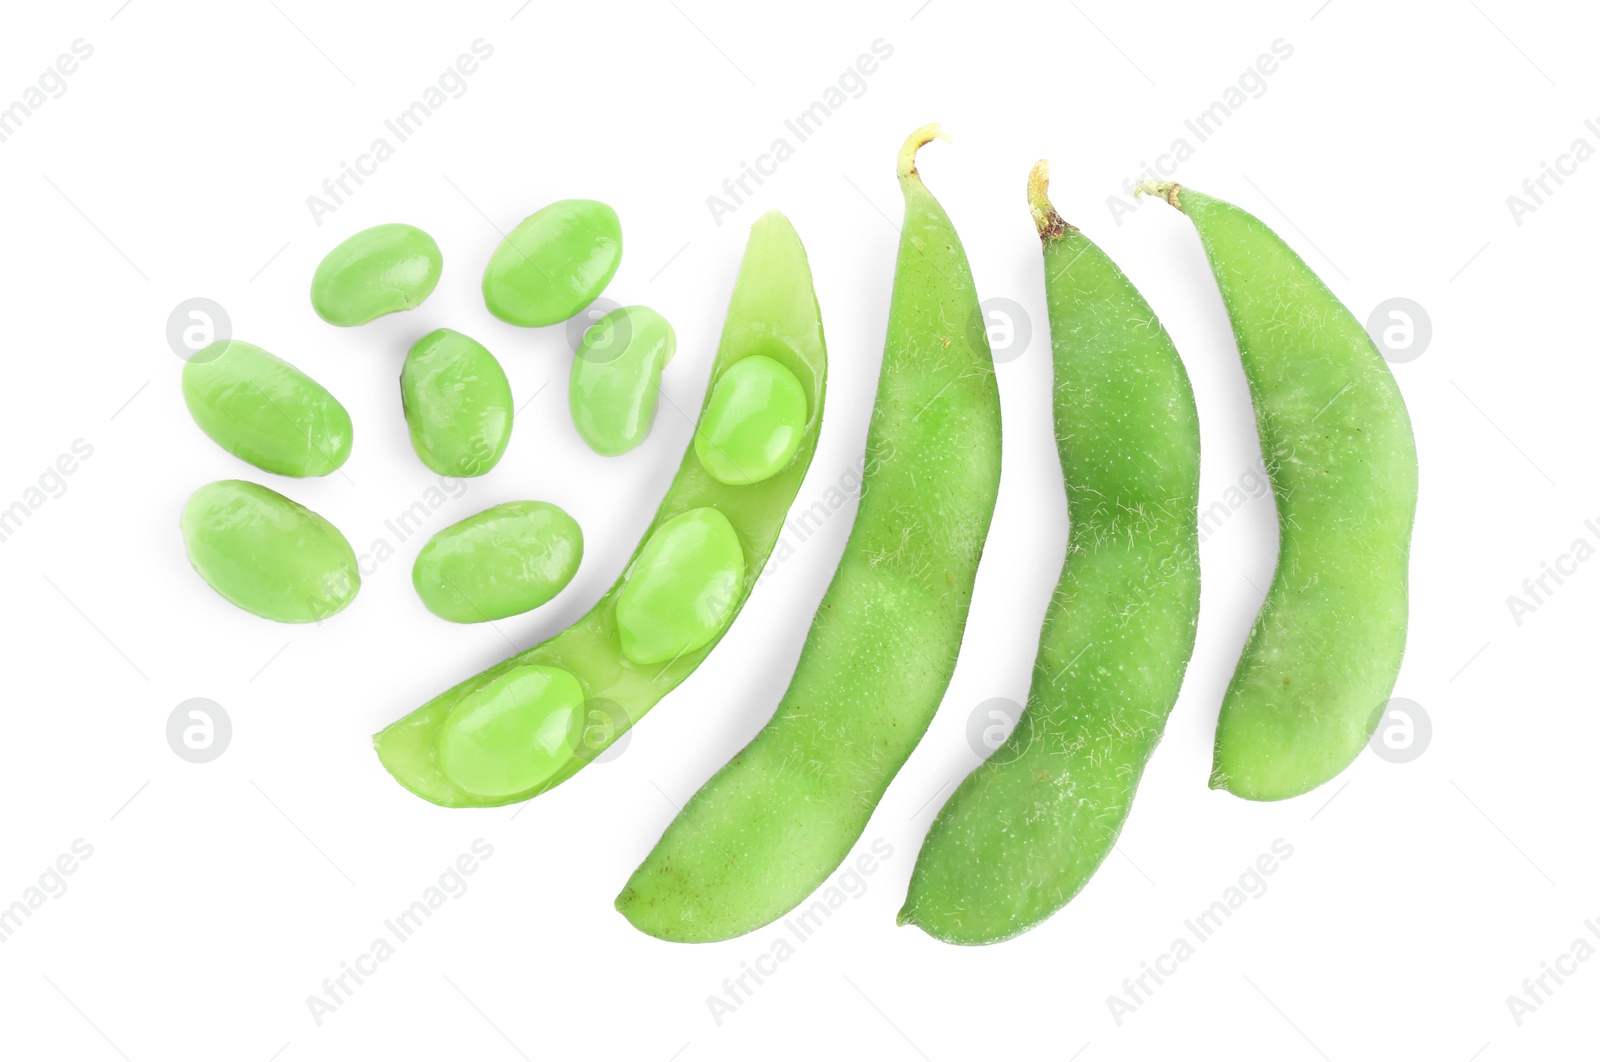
x: 763, y: 833
x: 1025, y: 831
x: 1324, y: 653
x: 531, y: 722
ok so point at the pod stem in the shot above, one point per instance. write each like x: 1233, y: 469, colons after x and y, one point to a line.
x: 1051, y: 226
x: 1167, y: 190
x: 907, y: 167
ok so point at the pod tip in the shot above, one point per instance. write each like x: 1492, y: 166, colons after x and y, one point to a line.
x: 1167, y: 190
x: 908, y: 151
x: 1051, y: 225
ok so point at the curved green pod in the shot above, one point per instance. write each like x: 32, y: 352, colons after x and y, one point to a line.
x: 457, y: 403
x: 267, y: 554
x: 1026, y: 830
x: 507, y: 560
x: 616, y: 378
x: 265, y: 411
x: 1325, y: 650
x: 773, y: 823
x: 773, y: 313
x: 554, y: 263
x: 381, y: 270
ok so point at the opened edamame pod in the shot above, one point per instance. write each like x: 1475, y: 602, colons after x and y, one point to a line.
x: 501, y: 562
x: 1325, y: 649
x: 381, y: 270
x: 485, y: 742
x: 773, y: 823
x: 267, y: 554
x: 265, y: 411
x: 1026, y: 830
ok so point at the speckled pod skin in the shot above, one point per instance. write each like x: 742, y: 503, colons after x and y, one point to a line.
x: 1026, y: 830
x: 1323, y: 655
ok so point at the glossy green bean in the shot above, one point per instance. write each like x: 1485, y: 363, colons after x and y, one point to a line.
x: 267, y: 554
x: 381, y: 270
x: 501, y: 562
x: 554, y: 263
x: 457, y: 403
x: 265, y: 411
x: 616, y: 378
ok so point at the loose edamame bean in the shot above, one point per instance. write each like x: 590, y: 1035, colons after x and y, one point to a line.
x: 782, y: 814
x: 457, y: 403
x: 265, y: 411
x: 1024, y: 832
x: 753, y: 422
x: 773, y: 313
x: 1323, y: 655
x: 380, y: 270
x: 553, y: 264
x: 679, y: 592
x: 267, y: 554
x: 616, y: 378
x: 501, y: 562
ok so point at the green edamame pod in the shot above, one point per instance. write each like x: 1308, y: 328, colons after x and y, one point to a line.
x: 457, y: 403
x: 384, y: 269
x: 265, y: 411
x: 1324, y: 653
x: 267, y: 554
x: 773, y: 314
x: 781, y: 815
x: 1025, y: 831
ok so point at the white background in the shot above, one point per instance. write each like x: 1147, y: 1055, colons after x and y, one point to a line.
x: 219, y: 896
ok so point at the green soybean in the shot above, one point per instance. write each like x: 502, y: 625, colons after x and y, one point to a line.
x: 457, y: 403
x: 774, y: 314
x: 501, y: 562
x: 265, y: 411
x: 380, y: 270
x: 1026, y: 830
x: 267, y: 554
x: 554, y: 263
x: 616, y: 378
x: 679, y: 592
x: 782, y: 814
x: 753, y: 422
x: 1325, y: 649
x: 535, y: 710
